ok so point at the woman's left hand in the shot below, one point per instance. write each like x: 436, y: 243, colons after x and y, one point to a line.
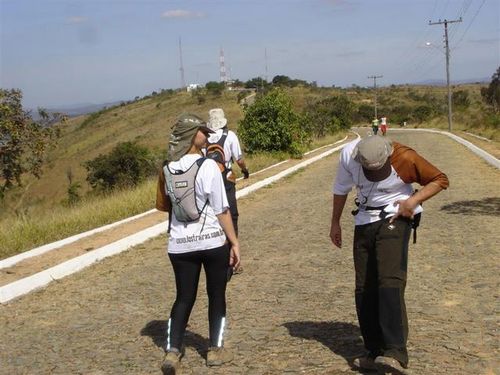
x: 234, y: 256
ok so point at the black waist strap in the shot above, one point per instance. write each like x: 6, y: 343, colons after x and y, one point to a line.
x: 367, y: 208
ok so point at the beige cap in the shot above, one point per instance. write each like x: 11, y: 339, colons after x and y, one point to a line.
x: 372, y: 152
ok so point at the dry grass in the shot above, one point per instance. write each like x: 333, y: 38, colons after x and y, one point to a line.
x: 25, y: 232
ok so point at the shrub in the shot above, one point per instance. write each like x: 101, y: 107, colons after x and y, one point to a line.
x: 126, y: 165
x: 460, y: 99
x: 241, y: 96
x: 270, y: 124
x: 400, y: 114
x: 422, y: 113
x: 491, y: 94
x: 199, y: 96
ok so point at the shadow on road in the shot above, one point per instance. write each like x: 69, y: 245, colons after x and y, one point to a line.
x: 486, y: 206
x: 157, y: 330
x: 340, y: 337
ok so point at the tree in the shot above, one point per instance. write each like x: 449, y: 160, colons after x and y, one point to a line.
x: 270, y: 124
x: 281, y: 80
x: 422, y: 113
x: 491, y: 94
x: 256, y: 83
x: 23, y: 142
x: 126, y: 165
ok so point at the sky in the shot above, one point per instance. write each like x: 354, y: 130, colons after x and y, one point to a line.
x: 75, y: 52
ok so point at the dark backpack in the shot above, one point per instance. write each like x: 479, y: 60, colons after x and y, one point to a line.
x: 215, y: 151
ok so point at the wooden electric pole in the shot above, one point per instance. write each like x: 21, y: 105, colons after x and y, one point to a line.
x: 375, y: 87
x: 447, y: 46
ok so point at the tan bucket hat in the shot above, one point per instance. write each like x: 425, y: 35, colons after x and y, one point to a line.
x: 216, y: 119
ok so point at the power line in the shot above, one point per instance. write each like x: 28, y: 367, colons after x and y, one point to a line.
x: 470, y: 24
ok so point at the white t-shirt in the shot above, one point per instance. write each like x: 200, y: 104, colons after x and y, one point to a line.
x: 206, y: 233
x: 232, y: 149
x: 374, y: 194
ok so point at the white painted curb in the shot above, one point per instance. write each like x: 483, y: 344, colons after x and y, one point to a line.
x: 490, y: 159
x: 40, y: 279
x: 286, y: 172
x: 8, y: 262
x: 23, y: 286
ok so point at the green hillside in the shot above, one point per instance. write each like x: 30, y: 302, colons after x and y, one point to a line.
x: 83, y: 138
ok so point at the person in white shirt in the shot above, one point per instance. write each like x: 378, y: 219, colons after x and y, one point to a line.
x: 232, y: 152
x: 383, y: 125
x: 209, y: 240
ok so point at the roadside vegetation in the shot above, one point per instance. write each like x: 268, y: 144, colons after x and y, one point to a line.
x: 92, y: 170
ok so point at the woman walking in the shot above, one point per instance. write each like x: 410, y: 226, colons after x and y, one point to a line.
x: 191, y: 189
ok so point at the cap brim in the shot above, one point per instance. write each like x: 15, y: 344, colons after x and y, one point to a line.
x: 378, y: 174
x: 206, y: 129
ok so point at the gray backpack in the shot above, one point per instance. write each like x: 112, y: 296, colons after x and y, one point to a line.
x: 180, y: 187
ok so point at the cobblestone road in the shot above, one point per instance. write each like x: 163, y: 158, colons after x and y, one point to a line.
x: 292, y: 310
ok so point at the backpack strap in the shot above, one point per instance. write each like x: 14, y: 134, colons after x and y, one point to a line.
x: 222, y: 139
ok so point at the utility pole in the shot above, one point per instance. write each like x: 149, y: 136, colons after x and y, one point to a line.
x: 183, y: 81
x: 265, y: 61
x: 375, y: 87
x: 447, y: 46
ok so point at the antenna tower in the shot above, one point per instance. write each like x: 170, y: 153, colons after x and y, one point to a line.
x: 223, y: 76
x: 183, y: 81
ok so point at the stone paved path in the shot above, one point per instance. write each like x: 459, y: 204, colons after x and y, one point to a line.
x: 292, y: 310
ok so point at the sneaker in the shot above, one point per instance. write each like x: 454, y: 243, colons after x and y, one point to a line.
x: 218, y: 356
x: 388, y: 365
x: 365, y: 363
x: 171, y: 363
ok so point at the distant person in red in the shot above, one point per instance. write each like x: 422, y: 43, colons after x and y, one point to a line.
x: 383, y: 125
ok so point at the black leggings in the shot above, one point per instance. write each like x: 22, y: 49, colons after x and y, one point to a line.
x: 187, y: 267
x: 233, y: 203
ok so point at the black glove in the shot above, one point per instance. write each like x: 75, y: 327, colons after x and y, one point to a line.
x: 245, y: 172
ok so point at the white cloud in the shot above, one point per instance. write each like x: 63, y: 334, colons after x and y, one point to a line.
x: 76, y: 19
x: 179, y: 13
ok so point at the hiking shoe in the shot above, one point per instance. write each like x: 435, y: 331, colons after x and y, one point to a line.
x: 218, y: 356
x: 388, y: 365
x: 171, y: 363
x: 365, y: 363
